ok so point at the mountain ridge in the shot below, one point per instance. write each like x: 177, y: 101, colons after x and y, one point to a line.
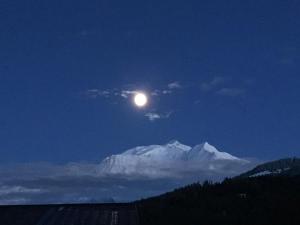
x: 167, y: 159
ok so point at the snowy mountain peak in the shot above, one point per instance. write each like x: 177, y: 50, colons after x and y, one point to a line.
x: 208, y: 147
x: 173, y: 142
x: 208, y: 152
x: 177, y: 144
x: 159, y: 160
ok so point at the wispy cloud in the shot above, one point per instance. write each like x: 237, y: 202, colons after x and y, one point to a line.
x: 156, y: 116
x: 219, y: 85
x: 94, y: 93
x: 153, y: 116
x: 212, y: 84
x: 232, y: 92
x: 169, y: 89
x: 174, y: 85
x: 161, y: 92
x: 165, y: 92
x: 126, y: 93
x: 117, y: 94
x: 6, y: 189
x: 155, y: 93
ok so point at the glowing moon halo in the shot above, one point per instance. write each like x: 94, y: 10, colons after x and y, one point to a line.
x: 140, y: 99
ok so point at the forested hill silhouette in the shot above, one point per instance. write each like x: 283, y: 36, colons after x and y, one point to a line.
x: 286, y: 167
x: 258, y: 200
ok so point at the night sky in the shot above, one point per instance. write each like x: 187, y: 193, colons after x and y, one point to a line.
x: 226, y: 72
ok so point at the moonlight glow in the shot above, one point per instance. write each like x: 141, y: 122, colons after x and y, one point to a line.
x: 140, y: 99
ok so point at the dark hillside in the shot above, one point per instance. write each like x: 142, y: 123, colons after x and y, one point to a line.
x: 282, y: 167
x: 267, y: 200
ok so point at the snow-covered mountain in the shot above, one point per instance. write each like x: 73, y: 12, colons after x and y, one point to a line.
x: 169, y: 160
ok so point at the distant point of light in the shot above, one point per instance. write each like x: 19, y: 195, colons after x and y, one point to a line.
x: 140, y: 99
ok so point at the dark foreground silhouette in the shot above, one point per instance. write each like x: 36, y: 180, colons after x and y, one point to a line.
x: 267, y: 200
x: 85, y: 214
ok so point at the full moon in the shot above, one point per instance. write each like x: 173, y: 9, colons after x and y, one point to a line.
x: 140, y: 99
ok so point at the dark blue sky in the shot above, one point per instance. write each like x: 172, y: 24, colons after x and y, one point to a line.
x: 236, y: 64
